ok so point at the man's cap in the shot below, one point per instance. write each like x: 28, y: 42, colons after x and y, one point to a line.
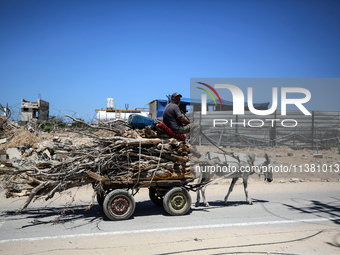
x: 176, y: 95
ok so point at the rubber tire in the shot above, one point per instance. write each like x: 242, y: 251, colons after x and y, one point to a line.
x: 121, y: 198
x: 154, y: 197
x: 177, y: 201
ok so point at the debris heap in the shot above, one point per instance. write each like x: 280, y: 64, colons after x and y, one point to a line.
x: 6, y: 129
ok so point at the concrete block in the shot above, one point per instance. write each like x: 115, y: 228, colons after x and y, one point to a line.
x: 14, y: 153
x: 48, y: 145
x: 46, y: 154
x: 3, y: 158
x: 68, y: 142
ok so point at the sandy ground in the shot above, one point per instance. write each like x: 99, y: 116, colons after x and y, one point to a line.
x: 304, y: 165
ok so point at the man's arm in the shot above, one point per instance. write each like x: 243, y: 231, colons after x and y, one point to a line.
x: 184, y: 120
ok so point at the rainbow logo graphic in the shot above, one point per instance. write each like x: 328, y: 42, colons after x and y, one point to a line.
x: 209, y: 93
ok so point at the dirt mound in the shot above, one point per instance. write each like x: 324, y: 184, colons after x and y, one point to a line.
x: 22, y: 137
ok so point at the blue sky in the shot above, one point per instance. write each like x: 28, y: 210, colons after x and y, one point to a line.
x: 76, y: 54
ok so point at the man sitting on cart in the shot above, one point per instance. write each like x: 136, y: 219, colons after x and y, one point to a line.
x: 174, y: 119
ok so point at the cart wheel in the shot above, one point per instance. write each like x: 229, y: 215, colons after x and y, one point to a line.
x: 100, y: 198
x: 119, y: 204
x: 155, y: 197
x: 177, y: 201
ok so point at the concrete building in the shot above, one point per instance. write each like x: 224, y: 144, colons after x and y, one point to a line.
x: 34, y: 110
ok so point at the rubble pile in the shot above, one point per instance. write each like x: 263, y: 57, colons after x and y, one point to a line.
x: 46, y: 167
x: 6, y: 130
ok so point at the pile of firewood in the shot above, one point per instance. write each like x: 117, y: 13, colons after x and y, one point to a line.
x: 128, y: 156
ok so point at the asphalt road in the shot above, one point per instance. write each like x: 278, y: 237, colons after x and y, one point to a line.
x: 281, y: 212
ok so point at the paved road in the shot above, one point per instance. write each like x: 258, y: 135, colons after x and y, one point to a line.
x: 280, y: 212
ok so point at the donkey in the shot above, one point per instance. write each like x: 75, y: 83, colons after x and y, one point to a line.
x: 215, y: 166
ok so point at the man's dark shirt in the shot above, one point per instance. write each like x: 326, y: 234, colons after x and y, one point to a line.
x: 170, y: 116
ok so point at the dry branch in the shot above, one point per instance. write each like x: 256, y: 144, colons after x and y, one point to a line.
x: 95, y: 127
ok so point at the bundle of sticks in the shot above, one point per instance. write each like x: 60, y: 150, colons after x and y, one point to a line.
x: 107, y: 159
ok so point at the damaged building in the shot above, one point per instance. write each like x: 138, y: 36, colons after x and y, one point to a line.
x: 34, y: 110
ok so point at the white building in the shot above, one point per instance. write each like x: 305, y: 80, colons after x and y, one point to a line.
x: 110, y: 113
x: 103, y: 115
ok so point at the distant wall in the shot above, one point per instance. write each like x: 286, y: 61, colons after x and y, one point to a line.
x: 43, y: 109
x: 319, y: 130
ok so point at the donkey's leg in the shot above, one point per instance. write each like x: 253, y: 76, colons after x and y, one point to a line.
x: 203, y: 196
x: 198, y: 198
x: 234, y: 180
x: 245, y: 186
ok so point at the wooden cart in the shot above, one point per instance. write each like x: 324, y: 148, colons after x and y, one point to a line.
x: 119, y: 204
